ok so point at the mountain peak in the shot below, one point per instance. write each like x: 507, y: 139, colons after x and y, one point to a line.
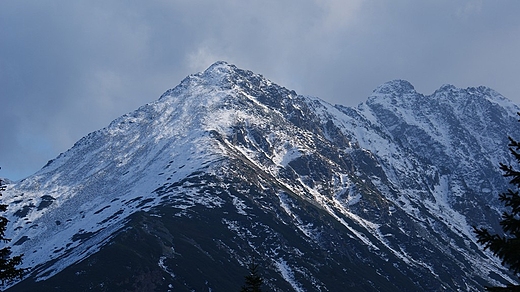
x: 220, y: 68
x: 228, y: 166
x: 447, y: 87
x: 217, y: 74
x: 220, y: 64
x: 479, y: 90
x: 397, y: 86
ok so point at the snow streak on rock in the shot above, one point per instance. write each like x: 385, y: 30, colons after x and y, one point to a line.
x: 382, y: 193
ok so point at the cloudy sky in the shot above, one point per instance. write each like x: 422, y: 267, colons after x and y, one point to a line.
x: 70, y: 67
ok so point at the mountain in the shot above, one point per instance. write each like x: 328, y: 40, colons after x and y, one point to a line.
x: 227, y: 167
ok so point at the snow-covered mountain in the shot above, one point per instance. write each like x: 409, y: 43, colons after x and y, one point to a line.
x: 182, y: 193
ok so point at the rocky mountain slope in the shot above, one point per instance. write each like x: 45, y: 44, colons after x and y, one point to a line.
x: 182, y: 193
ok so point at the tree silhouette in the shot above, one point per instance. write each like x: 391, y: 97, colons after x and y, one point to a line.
x: 8, y: 270
x: 253, y: 281
x: 507, y: 247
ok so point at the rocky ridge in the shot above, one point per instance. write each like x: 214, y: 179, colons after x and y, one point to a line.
x: 227, y: 166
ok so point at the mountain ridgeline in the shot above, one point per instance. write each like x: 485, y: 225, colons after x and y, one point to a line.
x: 181, y: 194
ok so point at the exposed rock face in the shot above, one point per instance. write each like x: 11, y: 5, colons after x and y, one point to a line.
x: 227, y: 166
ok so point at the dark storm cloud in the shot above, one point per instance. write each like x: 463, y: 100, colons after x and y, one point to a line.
x: 70, y: 67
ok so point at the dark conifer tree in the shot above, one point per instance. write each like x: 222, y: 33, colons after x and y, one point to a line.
x: 253, y: 281
x: 8, y: 269
x: 507, y: 247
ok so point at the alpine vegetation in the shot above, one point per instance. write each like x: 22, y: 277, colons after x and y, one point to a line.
x: 8, y: 263
x: 506, y: 247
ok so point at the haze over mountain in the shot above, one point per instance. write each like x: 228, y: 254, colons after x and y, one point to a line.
x: 183, y: 192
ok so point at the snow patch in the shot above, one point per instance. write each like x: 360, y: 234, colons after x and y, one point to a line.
x: 288, y: 274
x: 164, y: 267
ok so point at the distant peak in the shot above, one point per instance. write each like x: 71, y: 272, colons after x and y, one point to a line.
x: 483, y: 90
x: 447, y: 87
x: 395, y: 86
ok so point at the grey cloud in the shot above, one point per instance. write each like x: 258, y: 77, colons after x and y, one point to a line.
x: 70, y: 67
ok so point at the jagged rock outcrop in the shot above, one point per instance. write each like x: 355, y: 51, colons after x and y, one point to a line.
x: 180, y: 194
